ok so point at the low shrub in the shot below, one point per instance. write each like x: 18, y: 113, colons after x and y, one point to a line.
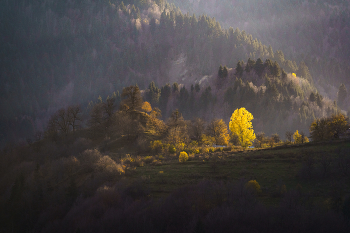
x: 183, y: 157
x: 156, y: 162
x: 172, y: 149
x: 253, y: 186
x: 204, y: 150
x: 148, y: 159
x: 219, y: 149
x: 156, y: 146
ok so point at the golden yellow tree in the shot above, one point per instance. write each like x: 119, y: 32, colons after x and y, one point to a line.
x: 300, y: 137
x: 297, y: 137
x: 218, y: 129
x: 146, y: 107
x: 241, y: 125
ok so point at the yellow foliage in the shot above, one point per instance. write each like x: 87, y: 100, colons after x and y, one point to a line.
x: 294, y: 75
x: 207, y: 140
x: 146, y: 107
x: 328, y: 128
x: 180, y: 146
x: 183, y: 157
x: 254, y: 186
x: 156, y: 145
x: 297, y: 137
x: 241, y: 125
x: 218, y: 129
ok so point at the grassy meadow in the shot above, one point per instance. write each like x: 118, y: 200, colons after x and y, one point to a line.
x: 277, y: 170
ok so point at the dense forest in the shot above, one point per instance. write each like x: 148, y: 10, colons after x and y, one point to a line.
x: 56, y: 54
x: 313, y: 31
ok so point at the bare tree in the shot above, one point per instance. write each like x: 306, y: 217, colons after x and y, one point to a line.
x: 276, y: 138
x: 73, y: 116
x: 302, y: 134
x: 289, y: 136
x: 96, y: 115
x: 52, y: 127
x: 62, y: 120
x: 261, y: 138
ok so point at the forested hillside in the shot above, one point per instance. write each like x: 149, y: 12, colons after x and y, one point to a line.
x: 315, y: 32
x: 72, y: 52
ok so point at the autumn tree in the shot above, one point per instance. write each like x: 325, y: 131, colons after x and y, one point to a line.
x: 289, y: 136
x: 197, y: 128
x: 338, y: 124
x: 154, y: 124
x: 328, y: 128
x: 218, y: 129
x: 146, y: 107
x: 261, y: 138
x: 319, y: 130
x: 300, y: 138
x: 124, y: 125
x: 241, y: 125
x: 177, y: 130
x: 297, y: 137
x: 276, y: 138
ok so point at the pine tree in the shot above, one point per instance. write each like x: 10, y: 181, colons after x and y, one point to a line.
x: 239, y: 68
x: 259, y: 67
x: 271, y: 54
x: 250, y: 65
x: 225, y: 72
x: 342, y: 94
x: 221, y: 71
x: 132, y: 97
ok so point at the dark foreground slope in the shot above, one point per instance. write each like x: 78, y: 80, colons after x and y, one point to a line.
x: 67, y: 186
